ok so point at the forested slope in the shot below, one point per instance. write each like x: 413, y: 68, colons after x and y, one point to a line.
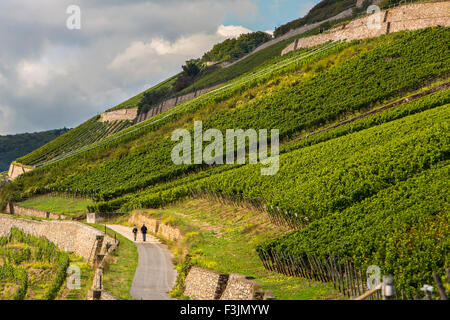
x: 18, y: 145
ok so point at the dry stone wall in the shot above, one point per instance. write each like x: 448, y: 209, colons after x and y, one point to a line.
x: 204, y: 284
x: 67, y: 235
x: 407, y: 17
x: 95, y: 217
x: 170, y: 103
x: 119, y: 115
x: 21, y: 211
x: 240, y: 288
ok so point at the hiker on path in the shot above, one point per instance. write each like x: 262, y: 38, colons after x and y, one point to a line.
x: 144, y: 231
x: 135, y: 231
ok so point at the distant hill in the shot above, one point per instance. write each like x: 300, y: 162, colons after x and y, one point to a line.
x: 18, y: 145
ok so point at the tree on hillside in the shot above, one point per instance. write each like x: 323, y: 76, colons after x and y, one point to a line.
x: 191, y: 68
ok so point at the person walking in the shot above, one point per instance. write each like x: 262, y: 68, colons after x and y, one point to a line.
x: 135, y: 231
x: 144, y: 232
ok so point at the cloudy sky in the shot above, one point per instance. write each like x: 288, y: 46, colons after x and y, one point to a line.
x: 51, y: 76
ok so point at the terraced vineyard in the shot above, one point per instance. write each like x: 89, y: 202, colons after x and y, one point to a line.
x: 89, y: 132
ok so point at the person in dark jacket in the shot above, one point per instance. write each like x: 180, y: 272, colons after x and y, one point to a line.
x: 135, y: 231
x: 144, y: 232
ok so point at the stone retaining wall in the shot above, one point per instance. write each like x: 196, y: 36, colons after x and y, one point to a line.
x: 119, y: 115
x: 240, y: 288
x: 21, y: 211
x: 95, y: 217
x: 204, y: 284
x: 408, y: 17
x: 16, y: 169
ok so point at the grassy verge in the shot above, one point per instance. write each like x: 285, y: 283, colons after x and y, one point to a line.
x: 121, y: 266
x: 223, y: 238
x: 66, y: 206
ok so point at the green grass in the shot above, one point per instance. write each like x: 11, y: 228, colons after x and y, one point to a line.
x: 223, y: 238
x: 66, y: 206
x: 121, y: 266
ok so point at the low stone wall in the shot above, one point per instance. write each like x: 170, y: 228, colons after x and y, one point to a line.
x: 21, y: 211
x: 17, y: 169
x: 204, y: 284
x: 121, y: 115
x: 67, y: 235
x: 408, y: 17
x: 156, y: 227
x: 94, y: 218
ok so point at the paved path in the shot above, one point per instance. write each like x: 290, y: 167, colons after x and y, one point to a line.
x: 155, y: 274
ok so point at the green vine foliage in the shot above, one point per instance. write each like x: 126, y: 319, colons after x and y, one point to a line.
x: 41, y: 250
x: 17, y: 274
